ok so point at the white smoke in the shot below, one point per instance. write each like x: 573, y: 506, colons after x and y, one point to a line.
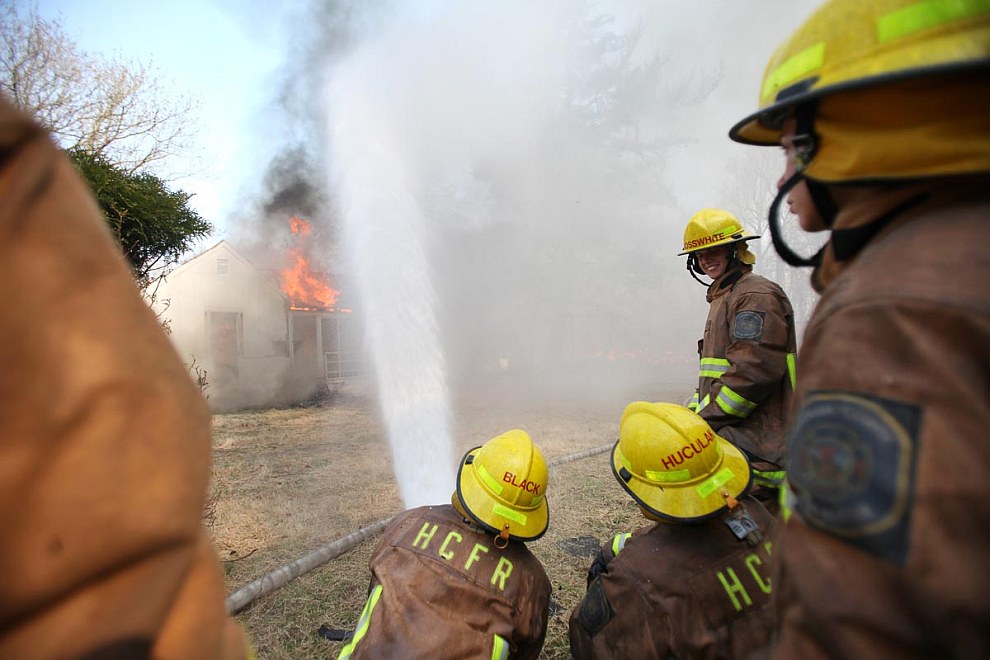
x: 513, y: 179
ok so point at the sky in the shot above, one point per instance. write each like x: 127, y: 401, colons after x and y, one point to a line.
x: 232, y: 56
x: 218, y: 53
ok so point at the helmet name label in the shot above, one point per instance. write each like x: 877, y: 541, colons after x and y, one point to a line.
x: 704, y: 240
x: 523, y: 484
x: 689, y: 451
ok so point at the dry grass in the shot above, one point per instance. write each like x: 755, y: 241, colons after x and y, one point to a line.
x: 289, y: 481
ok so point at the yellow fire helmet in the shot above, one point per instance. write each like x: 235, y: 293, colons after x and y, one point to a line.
x: 501, y: 486
x: 672, y: 463
x: 709, y: 228
x: 886, y: 89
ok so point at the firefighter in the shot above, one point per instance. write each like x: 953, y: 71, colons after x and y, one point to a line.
x: 457, y: 580
x: 747, y: 355
x: 105, y: 439
x: 882, y: 109
x: 696, y: 584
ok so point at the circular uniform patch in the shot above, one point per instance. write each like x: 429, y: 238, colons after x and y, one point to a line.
x: 851, y: 466
x: 748, y: 325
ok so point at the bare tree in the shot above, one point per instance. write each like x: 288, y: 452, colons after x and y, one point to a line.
x: 751, y: 185
x: 110, y: 108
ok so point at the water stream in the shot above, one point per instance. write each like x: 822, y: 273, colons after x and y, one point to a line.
x: 384, y: 235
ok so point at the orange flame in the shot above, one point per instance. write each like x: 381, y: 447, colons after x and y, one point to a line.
x: 305, y: 288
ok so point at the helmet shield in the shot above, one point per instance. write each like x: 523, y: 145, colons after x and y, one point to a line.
x: 673, y: 465
x: 502, y: 484
x: 859, y: 63
x: 710, y: 228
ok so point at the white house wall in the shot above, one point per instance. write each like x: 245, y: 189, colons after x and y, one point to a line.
x: 221, y: 284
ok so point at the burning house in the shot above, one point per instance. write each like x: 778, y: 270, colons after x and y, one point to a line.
x: 264, y: 338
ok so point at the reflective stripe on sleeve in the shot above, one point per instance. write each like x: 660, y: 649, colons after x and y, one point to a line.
x: 500, y: 648
x: 734, y: 404
x: 786, y: 501
x: 711, y: 367
x: 792, y: 369
x: 704, y: 402
x: 693, y: 404
x: 619, y: 542
x: 362, y: 626
x: 769, y: 478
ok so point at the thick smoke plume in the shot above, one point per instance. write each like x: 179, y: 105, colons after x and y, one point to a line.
x: 546, y: 157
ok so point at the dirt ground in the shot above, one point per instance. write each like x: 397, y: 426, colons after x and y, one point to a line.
x: 287, y: 482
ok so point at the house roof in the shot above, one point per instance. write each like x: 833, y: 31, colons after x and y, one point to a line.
x: 224, y: 246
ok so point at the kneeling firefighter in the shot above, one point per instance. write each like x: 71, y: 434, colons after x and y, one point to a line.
x: 457, y: 580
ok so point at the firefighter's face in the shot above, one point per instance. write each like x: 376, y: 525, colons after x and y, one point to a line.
x: 799, y: 200
x: 715, y: 260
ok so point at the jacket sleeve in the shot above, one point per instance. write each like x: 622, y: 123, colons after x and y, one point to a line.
x: 531, y: 644
x: 106, y: 440
x: 614, y: 619
x: 757, y: 357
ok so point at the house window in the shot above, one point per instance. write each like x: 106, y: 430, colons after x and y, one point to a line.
x: 223, y: 267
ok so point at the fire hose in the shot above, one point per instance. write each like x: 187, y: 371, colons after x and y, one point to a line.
x: 278, y: 578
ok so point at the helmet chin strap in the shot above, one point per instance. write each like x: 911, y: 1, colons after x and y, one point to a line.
x: 773, y: 221
x: 804, y: 115
x: 693, y: 268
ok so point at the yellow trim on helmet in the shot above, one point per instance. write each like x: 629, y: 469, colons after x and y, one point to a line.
x: 796, y: 67
x: 851, y: 45
x: 925, y: 15
x: 489, y: 480
x: 509, y: 514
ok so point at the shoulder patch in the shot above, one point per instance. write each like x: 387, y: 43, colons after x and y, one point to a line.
x: 852, y: 464
x: 596, y: 610
x: 748, y: 325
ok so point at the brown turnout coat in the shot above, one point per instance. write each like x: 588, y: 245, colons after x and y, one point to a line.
x: 681, y: 591
x: 105, y: 441
x: 886, y: 553
x: 748, y: 337
x: 441, y: 589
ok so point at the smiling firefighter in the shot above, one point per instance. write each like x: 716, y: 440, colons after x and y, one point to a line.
x: 457, y: 580
x: 696, y: 584
x: 747, y: 355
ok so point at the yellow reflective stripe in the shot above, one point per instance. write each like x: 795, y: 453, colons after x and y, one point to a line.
x: 792, y: 369
x: 734, y: 404
x: 500, y: 648
x: 488, y: 479
x: 785, y: 499
x: 795, y: 67
x: 769, y: 478
x: 619, y: 542
x: 712, y: 483
x: 705, y: 402
x: 667, y: 477
x: 511, y: 514
x: 712, y: 367
x: 362, y: 626
x: 923, y: 15
x: 693, y: 404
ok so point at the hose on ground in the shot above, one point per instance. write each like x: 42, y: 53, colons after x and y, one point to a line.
x: 278, y: 578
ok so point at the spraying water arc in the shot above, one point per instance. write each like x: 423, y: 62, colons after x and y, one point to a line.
x: 384, y: 234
